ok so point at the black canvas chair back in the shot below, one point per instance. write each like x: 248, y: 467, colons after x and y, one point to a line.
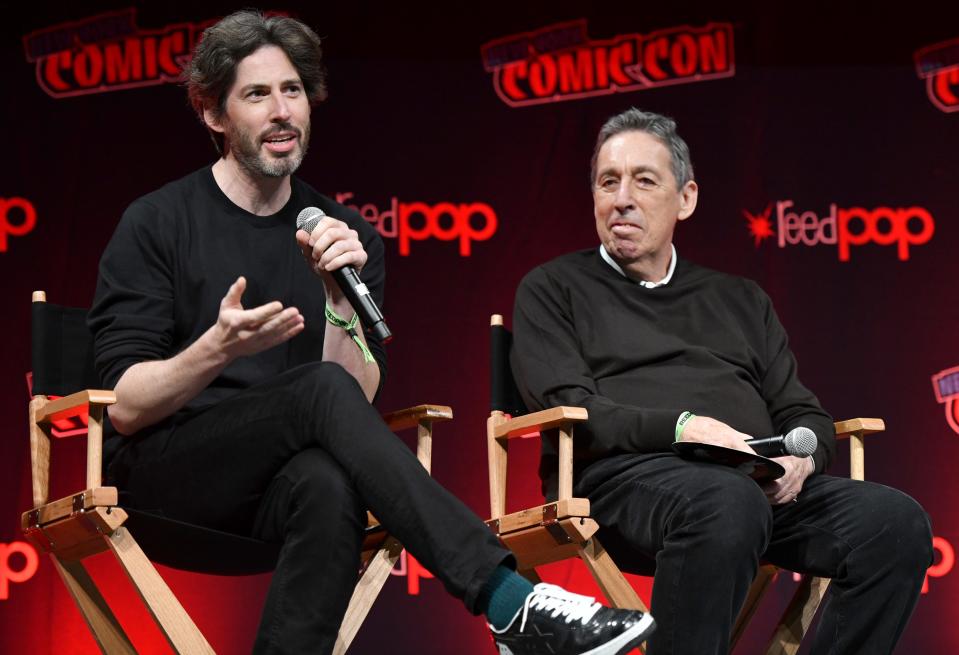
x: 504, y: 396
x: 61, y: 350
x: 62, y: 360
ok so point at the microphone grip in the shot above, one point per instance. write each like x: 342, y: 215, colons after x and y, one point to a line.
x: 358, y: 295
x: 769, y: 446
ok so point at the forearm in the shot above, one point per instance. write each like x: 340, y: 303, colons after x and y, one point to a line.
x: 339, y: 347
x: 149, y: 392
x: 613, y: 426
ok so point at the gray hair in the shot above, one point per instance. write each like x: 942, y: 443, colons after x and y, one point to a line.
x: 212, y: 70
x: 661, y: 127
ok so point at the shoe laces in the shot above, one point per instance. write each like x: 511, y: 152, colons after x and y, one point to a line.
x: 559, y: 602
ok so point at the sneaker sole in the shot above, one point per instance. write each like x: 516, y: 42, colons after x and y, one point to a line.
x: 628, y: 640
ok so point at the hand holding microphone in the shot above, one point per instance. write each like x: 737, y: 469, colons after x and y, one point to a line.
x: 801, y: 444
x: 798, y: 442
x: 339, y: 247
x: 706, y: 439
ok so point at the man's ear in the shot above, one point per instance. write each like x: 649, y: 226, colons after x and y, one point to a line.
x: 212, y: 121
x: 687, y: 200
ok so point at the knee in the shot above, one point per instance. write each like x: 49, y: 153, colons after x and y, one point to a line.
x: 901, y: 533
x: 909, y: 538
x: 320, y: 487
x: 322, y: 387
x: 734, y: 518
x: 322, y: 375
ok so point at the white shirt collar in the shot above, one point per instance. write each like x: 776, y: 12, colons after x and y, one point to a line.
x: 643, y: 283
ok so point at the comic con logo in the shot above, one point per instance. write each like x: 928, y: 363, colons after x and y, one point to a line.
x: 938, y: 65
x: 561, y: 62
x: 463, y: 222
x: 108, y: 52
x: 946, y: 386
x: 901, y: 228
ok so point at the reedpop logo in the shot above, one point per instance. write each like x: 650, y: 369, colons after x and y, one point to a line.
x: 18, y: 563
x: 23, y: 215
x: 418, y: 221
x: 844, y: 228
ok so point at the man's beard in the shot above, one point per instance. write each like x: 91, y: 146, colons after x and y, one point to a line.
x: 248, y: 153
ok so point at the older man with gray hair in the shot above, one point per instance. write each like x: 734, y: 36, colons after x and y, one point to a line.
x: 659, y: 350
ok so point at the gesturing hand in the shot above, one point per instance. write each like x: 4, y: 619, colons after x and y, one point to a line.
x: 243, y: 332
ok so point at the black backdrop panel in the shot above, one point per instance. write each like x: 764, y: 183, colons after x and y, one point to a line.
x: 820, y: 143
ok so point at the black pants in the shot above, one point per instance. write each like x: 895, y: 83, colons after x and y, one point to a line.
x: 704, y: 528
x: 299, y: 460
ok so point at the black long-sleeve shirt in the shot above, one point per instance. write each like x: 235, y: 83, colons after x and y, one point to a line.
x: 172, y: 258
x: 636, y: 358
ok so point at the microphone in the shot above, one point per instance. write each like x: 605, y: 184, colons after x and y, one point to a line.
x: 800, y: 442
x: 349, y: 282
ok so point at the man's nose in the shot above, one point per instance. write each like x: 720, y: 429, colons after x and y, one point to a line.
x: 624, y: 197
x: 281, y: 108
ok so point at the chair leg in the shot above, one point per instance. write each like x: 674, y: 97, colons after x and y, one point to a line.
x: 107, y: 631
x: 798, y: 615
x: 177, y: 626
x: 609, y: 578
x: 764, y: 576
x: 367, y: 589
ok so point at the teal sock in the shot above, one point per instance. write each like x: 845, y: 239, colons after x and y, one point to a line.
x: 502, y: 596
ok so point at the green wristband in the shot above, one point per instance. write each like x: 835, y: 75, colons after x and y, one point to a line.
x: 681, y: 423
x: 350, y: 326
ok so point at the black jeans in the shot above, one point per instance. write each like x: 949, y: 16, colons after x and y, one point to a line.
x: 298, y: 460
x: 704, y: 528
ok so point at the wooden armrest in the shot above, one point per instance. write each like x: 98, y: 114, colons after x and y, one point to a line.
x: 863, y: 426
x: 539, y: 421
x: 74, y: 404
x: 412, y: 416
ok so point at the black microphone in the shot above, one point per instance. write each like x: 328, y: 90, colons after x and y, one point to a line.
x: 350, y: 283
x: 799, y: 442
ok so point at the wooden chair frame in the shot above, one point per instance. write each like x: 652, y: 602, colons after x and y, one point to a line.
x: 89, y: 522
x: 562, y: 529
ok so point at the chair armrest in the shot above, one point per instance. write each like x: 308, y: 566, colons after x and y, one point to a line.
x: 412, y: 416
x: 73, y: 405
x: 43, y: 412
x: 539, y: 421
x: 501, y: 429
x: 422, y: 418
x: 854, y: 430
x: 860, y: 426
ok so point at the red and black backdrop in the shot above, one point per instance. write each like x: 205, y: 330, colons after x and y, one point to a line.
x: 826, y: 146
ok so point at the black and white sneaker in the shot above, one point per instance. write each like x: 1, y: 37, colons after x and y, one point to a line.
x: 557, y: 622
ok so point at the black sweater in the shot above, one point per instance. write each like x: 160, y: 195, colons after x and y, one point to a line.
x: 171, y: 260
x: 636, y: 358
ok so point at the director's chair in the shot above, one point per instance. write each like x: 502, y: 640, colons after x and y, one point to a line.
x: 563, y: 529
x: 92, y: 521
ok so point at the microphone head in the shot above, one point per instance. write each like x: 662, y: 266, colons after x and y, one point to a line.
x: 800, y: 442
x: 309, y: 218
